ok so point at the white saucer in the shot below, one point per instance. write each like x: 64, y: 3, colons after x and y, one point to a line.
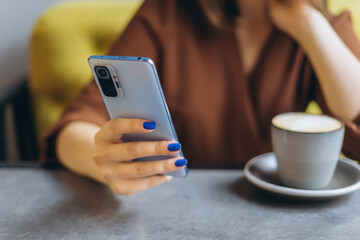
x: 261, y: 171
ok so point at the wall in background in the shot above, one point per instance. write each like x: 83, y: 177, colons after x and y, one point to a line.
x: 16, y: 20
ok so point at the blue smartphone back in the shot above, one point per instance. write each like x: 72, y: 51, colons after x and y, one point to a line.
x: 139, y: 96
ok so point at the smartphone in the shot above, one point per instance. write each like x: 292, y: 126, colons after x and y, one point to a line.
x: 130, y: 88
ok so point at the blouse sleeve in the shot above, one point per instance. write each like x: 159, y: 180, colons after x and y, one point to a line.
x: 344, y: 28
x: 142, y: 37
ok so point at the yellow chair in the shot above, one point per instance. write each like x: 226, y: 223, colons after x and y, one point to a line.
x: 62, y: 40
x: 66, y: 35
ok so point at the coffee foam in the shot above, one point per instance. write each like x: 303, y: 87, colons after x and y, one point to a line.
x: 308, y: 123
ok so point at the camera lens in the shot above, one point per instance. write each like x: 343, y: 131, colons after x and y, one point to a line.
x: 102, y: 72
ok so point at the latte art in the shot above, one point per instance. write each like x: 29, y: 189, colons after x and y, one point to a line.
x: 307, y: 123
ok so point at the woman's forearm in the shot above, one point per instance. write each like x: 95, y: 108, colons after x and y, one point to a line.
x: 336, y: 67
x: 74, y: 147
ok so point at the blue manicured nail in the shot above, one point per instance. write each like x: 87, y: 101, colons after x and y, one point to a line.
x: 149, y: 125
x: 181, y: 162
x: 174, y: 147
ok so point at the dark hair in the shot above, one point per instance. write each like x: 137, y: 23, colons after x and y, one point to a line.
x: 221, y: 14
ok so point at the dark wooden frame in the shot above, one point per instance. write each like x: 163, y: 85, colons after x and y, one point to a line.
x: 19, y: 98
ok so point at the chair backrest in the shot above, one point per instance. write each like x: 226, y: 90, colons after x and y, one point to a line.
x: 62, y: 40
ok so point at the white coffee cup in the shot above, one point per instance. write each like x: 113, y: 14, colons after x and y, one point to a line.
x: 307, y: 148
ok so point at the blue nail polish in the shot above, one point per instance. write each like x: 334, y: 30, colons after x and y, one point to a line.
x: 149, y: 125
x: 181, y: 162
x: 174, y: 147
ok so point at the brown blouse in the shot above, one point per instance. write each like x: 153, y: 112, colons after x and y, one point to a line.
x: 221, y: 116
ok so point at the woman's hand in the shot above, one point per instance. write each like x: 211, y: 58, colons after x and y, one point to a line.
x: 335, y: 65
x: 113, y: 157
x: 291, y: 16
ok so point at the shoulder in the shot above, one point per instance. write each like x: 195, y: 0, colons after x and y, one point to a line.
x: 342, y: 19
x: 168, y: 13
x: 158, y: 11
x: 156, y: 7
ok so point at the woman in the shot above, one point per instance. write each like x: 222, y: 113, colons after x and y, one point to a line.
x: 227, y: 67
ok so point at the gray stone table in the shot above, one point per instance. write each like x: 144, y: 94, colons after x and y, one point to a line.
x: 40, y: 204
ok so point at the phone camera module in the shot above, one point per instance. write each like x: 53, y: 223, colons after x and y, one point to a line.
x: 106, y: 81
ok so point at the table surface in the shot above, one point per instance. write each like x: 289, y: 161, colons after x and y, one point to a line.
x: 39, y: 204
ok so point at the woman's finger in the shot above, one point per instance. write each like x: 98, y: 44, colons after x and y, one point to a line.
x: 115, y: 129
x: 130, y: 186
x: 133, y: 150
x: 143, y: 169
